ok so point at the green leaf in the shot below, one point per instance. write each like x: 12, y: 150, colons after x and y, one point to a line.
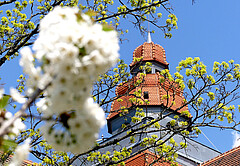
x: 82, y: 52
x: 107, y: 27
x: 8, y: 145
x: 91, y: 13
x: 4, y: 101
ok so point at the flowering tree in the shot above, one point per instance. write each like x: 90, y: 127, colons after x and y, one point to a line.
x: 69, y: 57
x: 20, y: 23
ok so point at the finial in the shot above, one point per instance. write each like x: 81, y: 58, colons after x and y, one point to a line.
x: 149, y: 40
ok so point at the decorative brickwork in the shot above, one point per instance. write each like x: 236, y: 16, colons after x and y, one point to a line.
x: 150, y: 52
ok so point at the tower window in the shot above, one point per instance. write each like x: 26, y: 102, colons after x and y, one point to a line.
x: 145, y: 95
x: 156, y: 70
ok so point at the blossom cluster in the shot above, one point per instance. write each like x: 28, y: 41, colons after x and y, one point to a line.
x: 15, y: 128
x: 69, y: 54
x: 5, y: 116
x: 21, y: 153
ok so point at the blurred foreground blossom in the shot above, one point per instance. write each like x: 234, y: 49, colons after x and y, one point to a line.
x: 70, y: 52
x: 1, y: 93
x: 15, y: 129
x: 17, y: 126
x: 21, y: 153
x: 17, y: 96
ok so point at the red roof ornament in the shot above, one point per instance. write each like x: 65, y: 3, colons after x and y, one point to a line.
x: 150, y: 52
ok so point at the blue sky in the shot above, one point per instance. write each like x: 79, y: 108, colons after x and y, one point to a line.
x: 209, y: 29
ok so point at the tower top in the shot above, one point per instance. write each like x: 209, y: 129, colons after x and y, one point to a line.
x: 151, y: 88
x: 150, y: 52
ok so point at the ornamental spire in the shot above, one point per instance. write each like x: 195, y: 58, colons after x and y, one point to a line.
x: 149, y: 40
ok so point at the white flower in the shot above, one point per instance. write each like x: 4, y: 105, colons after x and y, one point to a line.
x: 95, y: 112
x: 70, y: 52
x: 1, y: 93
x: 44, y: 81
x: 21, y: 153
x: 8, y: 115
x: 26, y: 61
x: 17, y: 96
x: 42, y: 106
x: 27, y: 55
x: 18, y: 126
x: 15, y: 128
x: 83, y: 127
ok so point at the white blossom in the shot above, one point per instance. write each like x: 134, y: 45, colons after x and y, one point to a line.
x: 8, y: 115
x: 21, y: 153
x: 70, y: 52
x: 1, y: 93
x: 17, y: 96
x: 15, y: 129
x: 18, y: 126
x: 83, y: 127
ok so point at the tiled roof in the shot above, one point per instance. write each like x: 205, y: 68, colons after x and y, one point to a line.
x: 28, y: 162
x: 156, y: 92
x: 144, y: 159
x: 150, y: 52
x: 229, y: 158
x: 24, y: 163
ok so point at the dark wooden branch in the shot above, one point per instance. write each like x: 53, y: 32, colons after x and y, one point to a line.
x: 131, y: 11
x: 6, y: 2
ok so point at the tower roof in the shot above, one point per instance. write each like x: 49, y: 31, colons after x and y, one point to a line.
x: 156, y: 93
x: 149, y: 51
x: 140, y: 88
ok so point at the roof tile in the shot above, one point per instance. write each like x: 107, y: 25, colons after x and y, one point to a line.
x: 150, y: 52
x: 156, y: 92
x: 145, y: 159
x: 229, y: 158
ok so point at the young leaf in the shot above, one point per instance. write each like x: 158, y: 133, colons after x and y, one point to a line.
x: 4, y: 101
